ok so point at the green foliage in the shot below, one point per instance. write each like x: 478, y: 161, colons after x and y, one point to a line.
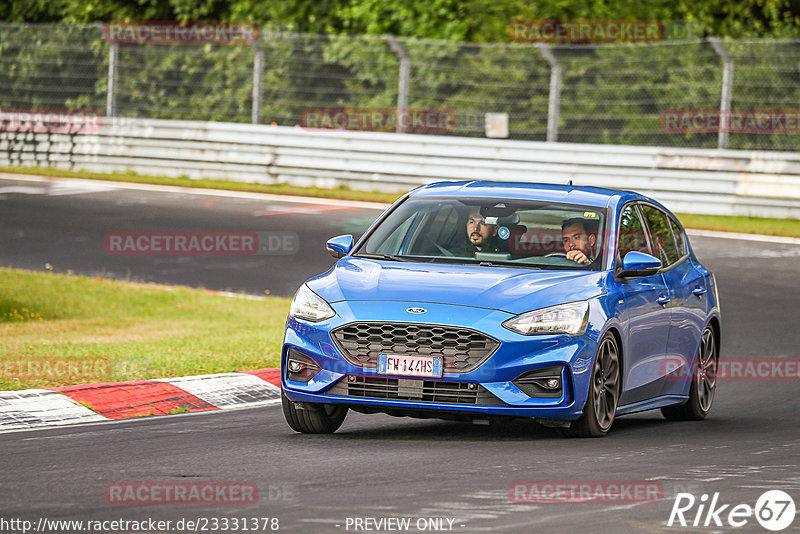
x: 304, y: 16
x: 454, y: 20
x: 461, y: 60
x: 199, y: 82
x: 51, y: 66
x: 610, y: 93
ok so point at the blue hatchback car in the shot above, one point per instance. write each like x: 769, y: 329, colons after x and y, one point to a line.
x: 481, y: 300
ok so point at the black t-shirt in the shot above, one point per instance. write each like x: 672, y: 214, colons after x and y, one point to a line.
x: 466, y: 248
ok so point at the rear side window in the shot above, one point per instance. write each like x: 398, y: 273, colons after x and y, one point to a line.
x: 631, y: 232
x: 661, y: 235
x: 680, y: 241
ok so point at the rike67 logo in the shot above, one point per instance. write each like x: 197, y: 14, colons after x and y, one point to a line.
x: 774, y: 510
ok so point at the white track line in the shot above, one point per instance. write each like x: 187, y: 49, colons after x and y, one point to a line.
x: 325, y: 201
x: 746, y: 237
x: 197, y: 191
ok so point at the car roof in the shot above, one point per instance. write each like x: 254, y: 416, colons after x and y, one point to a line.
x: 572, y: 194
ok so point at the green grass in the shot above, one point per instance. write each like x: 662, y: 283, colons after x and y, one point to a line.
x: 112, y: 331
x: 748, y: 225
x: 745, y: 225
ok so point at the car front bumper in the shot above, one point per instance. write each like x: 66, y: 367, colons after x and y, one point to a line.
x: 492, y: 381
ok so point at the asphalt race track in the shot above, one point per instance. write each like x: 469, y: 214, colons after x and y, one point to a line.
x: 64, y: 225
x: 377, y: 466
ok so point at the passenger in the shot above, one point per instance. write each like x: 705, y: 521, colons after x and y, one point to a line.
x: 579, y: 238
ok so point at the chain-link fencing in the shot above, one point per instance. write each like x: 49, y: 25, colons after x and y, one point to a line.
x: 664, y: 93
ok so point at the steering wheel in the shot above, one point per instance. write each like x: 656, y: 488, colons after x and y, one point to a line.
x: 441, y: 249
x: 556, y: 255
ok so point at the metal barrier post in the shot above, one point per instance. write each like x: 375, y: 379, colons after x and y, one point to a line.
x: 555, y: 91
x: 402, y: 84
x: 111, y: 95
x: 258, y: 83
x: 727, y: 91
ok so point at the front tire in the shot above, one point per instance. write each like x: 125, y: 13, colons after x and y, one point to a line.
x: 601, y: 406
x: 313, y: 418
x: 704, y: 383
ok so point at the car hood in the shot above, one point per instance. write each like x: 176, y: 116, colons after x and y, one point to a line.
x: 500, y: 288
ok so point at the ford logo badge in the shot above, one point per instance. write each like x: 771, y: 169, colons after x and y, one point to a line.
x: 416, y: 310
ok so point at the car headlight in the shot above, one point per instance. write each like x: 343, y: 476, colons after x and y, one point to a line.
x: 562, y: 319
x: 309, y: 306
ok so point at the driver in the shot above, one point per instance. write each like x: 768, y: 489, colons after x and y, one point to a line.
x: 579, y: 237
x: 481, y: 237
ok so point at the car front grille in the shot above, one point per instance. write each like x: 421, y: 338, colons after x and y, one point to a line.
x: 463, y: 349
x: 413, y: 390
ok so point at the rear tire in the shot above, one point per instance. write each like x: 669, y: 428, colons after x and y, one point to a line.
x: 704, y: 383
x: 601, y: 406
x: 313, y: 418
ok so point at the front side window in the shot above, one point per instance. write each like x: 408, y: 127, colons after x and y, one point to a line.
x: 661, y: 235
x: 631, y: 232
x: 503, y: 232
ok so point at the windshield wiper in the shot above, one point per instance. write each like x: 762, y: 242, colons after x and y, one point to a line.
x: 390, y: 257
x: 509, y: 264
x: 483, y: 263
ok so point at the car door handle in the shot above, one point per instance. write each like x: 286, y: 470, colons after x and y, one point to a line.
x: 663, y: 299
x: 699, y: 291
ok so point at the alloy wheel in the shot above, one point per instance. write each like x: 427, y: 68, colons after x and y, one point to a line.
x: 605, y: 383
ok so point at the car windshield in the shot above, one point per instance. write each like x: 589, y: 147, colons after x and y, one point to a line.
x: 503, y: 232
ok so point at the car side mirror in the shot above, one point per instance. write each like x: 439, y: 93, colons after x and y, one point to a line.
x: 339, y: 246
x: 638, y: 264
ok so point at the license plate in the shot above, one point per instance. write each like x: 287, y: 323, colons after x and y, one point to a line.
x: 401, y: 365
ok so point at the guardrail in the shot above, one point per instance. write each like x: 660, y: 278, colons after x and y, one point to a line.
x: 724, y: 182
